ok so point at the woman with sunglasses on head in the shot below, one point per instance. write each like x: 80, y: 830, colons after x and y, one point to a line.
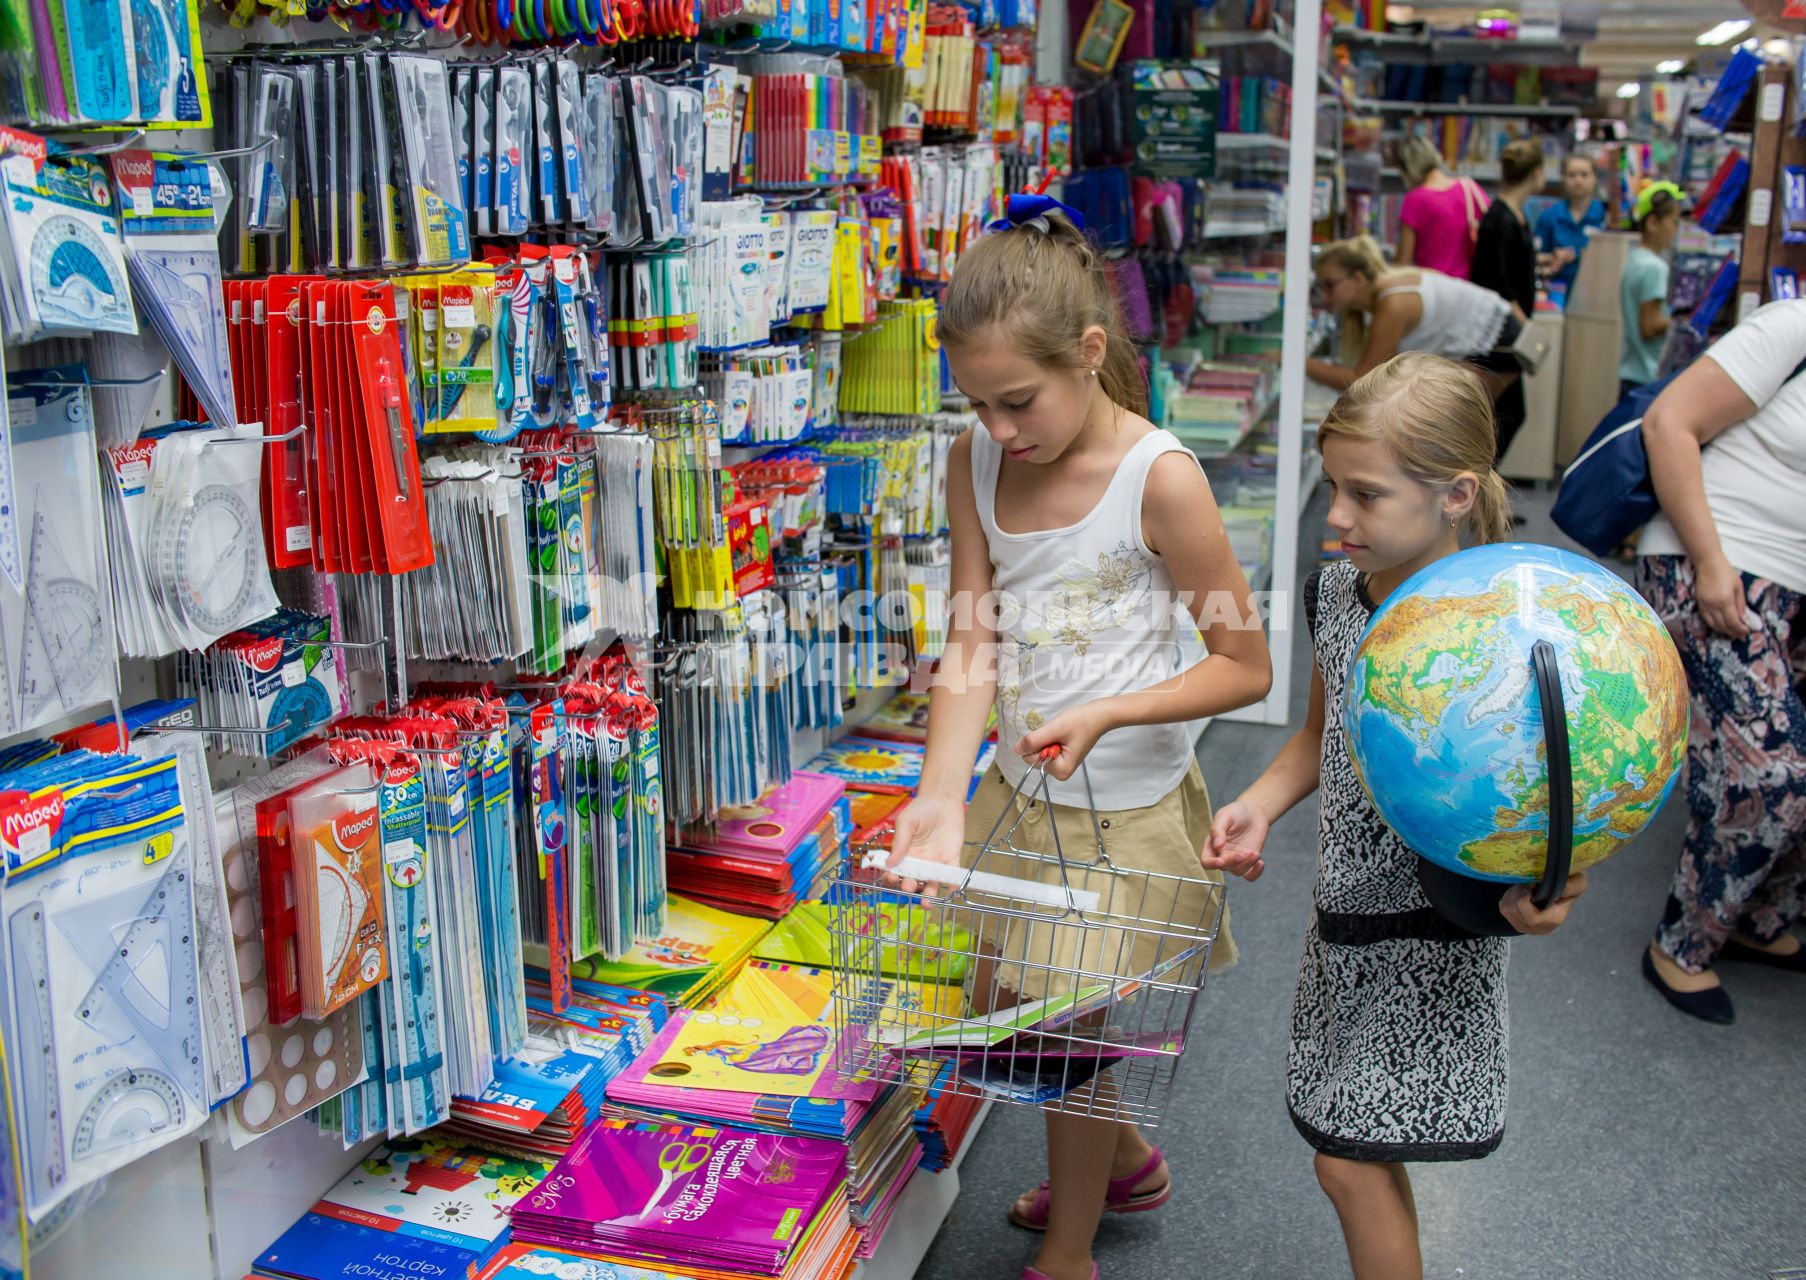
x: 1385, y: 310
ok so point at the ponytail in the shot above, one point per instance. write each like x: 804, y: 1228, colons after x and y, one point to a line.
x: 1045, y: 283
x: 1436, y: 417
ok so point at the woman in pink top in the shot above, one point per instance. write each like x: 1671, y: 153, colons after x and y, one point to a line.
x: 1439, y: 215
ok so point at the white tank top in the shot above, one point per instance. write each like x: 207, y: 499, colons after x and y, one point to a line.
x: 1460, y: 318
x: 1085, y: 612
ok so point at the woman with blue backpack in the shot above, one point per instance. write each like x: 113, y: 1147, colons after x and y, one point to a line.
x: 1724, y: 564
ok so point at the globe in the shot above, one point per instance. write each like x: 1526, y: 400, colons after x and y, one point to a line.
x: 1445, y: 728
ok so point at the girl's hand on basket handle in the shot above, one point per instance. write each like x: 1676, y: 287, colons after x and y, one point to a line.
x: 1236, y: 836
x: 1064, y: 742
x: 931, y: 827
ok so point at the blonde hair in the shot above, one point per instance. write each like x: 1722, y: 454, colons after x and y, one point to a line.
x: 1419, y: 158
x: 1358, y: 256
x: 1436, y: 417
x: 1045, y: 284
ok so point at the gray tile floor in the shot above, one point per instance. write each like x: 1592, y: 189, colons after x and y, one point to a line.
x: 1640, y: 1145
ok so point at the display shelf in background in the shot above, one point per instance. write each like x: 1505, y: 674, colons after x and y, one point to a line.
x: 1433, y: 49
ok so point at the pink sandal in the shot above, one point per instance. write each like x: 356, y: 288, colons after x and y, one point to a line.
x: 1029, y: 1273
x: 1119, y: 1197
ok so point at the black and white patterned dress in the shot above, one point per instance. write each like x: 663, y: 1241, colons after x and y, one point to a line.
x: 1398, y: 1024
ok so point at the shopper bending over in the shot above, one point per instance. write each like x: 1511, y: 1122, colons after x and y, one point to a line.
x: 1440, y: 215
x: 1398, y: 1046
x: 1725, y: 566
x: 1385, y: 311
x: 1082, y: 523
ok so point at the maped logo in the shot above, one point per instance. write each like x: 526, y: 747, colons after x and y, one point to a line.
x: 351, y: 830
x: 134, y: 169
x: 26, y: 816
x: 265, y: 654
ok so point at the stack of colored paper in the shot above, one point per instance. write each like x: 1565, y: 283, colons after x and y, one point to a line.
x: 683, y: 1196
x: 421, y: 1206
x: 710, y: 1066
x: 944, y: 1119
x: 763, y: 859
x: 759, y: 1057
x: 541, y: 1099
x: 698, y: 953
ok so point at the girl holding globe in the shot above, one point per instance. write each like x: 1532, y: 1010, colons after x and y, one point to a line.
x: 1076, y: 525
x: 1398, y: 1025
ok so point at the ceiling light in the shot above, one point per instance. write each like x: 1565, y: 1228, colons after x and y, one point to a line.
x: 1671, y: 67
x: 1629, y: 89
x: 1724, y: 32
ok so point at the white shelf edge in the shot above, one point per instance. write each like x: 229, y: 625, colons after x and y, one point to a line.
x: 920, y: 1214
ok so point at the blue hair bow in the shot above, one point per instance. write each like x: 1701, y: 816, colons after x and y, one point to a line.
x: 1026, y: 207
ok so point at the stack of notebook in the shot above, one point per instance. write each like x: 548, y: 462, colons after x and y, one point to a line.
x: 542, y: 1098
x: 697, y: 953
x: 760, y: 1058
x: 763, y: 859
x: 421, y: 1206
x: 944, y: 1118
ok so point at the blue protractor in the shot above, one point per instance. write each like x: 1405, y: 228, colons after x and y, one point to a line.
x: 305, y: 706
x: 70, y: 276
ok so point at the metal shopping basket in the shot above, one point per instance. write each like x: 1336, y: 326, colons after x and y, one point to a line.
x: 1026, y: 977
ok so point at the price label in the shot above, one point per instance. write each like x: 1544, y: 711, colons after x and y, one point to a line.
x: 294, y: 673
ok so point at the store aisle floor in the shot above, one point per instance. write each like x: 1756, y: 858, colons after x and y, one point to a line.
x: 1640, y: 1144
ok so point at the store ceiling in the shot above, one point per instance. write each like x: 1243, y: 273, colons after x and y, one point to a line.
x: 1633, y: 35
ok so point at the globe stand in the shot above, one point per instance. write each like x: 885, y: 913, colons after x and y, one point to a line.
x: 1473, y: 905
x: 1559, y: 858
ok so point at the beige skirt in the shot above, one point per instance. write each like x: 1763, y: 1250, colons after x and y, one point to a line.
x: 1153, y: 923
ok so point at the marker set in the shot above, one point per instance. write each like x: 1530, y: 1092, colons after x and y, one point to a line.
x: 805, y: 124
x: 765, y: 394
x: 71, y: 62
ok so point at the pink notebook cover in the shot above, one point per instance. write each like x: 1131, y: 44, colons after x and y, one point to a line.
x: 781, y: 819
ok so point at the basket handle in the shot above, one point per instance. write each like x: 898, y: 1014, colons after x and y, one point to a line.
x: 962, y: 880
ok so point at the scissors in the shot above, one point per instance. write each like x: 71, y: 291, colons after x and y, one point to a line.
x: 676, y: 1158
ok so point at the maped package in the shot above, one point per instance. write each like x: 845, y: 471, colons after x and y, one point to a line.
x: 336, y: 837
x: 376, y: 368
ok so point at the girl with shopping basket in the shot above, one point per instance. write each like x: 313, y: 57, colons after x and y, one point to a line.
x: 1398, y: 1024
x: 1076, y: 526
